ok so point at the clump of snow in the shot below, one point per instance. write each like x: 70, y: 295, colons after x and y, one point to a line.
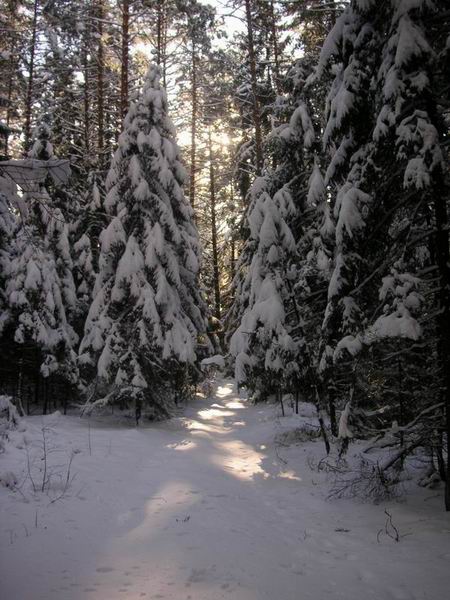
x: 403, y: 301
x: 352, y: 344
x: 398, y: 324
x: 9, y: 415
x: 217, y: 361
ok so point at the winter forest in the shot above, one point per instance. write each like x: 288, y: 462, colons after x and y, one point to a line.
x: 224, y: 252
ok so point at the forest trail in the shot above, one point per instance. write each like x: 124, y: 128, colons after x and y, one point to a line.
x: 204, y: 507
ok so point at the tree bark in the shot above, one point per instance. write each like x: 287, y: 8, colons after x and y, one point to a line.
x: 255, y: 102
x: 233, y: 240
x: 193, y: 127
x: 443, y: 262
x: 331, y: 389
x: 100, y: 86
x: 276, y: 51
x: 124, y: 59
x: 30, y: 85
x: 212, y: 194
x: 86, y: 107
x: 12, y: 64
x: 159, y: 26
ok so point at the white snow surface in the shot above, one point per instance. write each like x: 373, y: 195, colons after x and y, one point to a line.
x: 206, y: 506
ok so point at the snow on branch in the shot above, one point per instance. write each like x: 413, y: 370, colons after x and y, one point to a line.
x: 28, y: 172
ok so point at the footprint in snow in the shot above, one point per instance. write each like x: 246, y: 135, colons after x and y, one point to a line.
x: 197, y: 575
x: 366, y: 576
x: 400, y: 594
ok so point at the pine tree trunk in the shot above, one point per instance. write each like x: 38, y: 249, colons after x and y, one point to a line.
x: 233, y: 241
x: 255, y: 102
x: 280, y: 400
x: 86, y: 107
x: 212, y: 194
x: 159, y: 25
x: 332, y: 408
x: 232, y: 258
x: 440, y: 195
x: 20, y: 388
x: 45, y: 395
x: 12, y: 60
x: 164, y: 46
x: 100, y: 86
x: 193, y: 129
x: 276, y: 52
x: 37, y: 380
x: 323, y: 429
x: 124, y: 59
x: 30, y: 85
x: 11, y: 65
x: 161, y: 39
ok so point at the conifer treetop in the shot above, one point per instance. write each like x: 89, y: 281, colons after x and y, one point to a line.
x: 147, y: 310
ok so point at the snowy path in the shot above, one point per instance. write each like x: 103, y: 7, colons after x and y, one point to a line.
x: 202, y: 508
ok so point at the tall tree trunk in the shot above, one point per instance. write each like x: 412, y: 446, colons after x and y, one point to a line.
x: 193, y: 127
x: 100, y: 86
x: 12, y: 66
x: 164, y: 43
x: 166, y: 30
x: 212, y: 195
x: 440, y: 196
x: 159, y: 32
x: 276, y: 50
x: 331, y: 389
x: 161, y: 39
x: 233, y: 240
x: 30, y: 85
x: 86, y: 107
x: 255, y: 102
x: 124, y: 59
x: 232, y: 258
x: 9, y: 96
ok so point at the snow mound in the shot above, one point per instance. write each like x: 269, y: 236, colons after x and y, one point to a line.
x: 216, y: 361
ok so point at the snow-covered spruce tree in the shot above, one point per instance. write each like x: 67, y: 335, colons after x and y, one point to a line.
x: 412, y: 80
x: 87, y: 222
x: 283, y: 194
x: 298, y: 155
x: 147, y: 314
x: 40, y: 290
x: 78, y: 213
x: 348, y: 60
x: 84, y: 277
x: 265, y: 352
x: 384, y: 136
x: 51, y: 210
x: 7, y: 226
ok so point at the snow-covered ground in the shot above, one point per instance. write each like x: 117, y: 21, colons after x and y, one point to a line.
x: 203, y: 507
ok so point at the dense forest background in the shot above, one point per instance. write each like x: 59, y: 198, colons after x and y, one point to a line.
x: 312, y: 187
